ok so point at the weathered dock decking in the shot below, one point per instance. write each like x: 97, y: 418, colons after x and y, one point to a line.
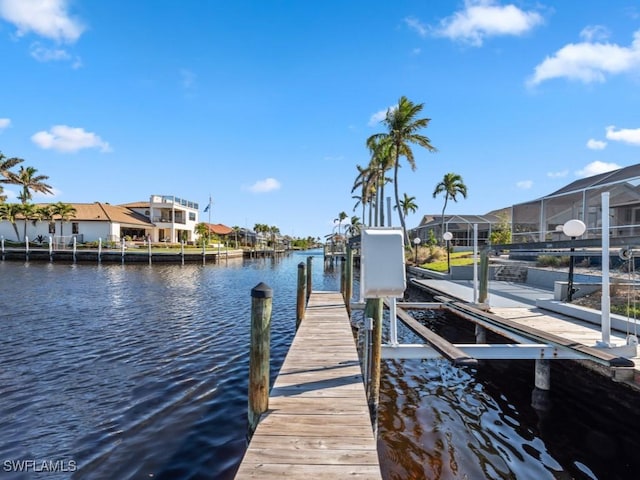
x: 318, y: 424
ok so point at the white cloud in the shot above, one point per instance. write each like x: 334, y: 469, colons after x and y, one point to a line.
x: 379, y: 116
x: 597, y: 167
x: 524, y: 184
x: 588, y: 62
x: 486, y: 18
x: 626, y: 135
x: 560, y: 174
x: 69, y: 139
x: 264, y: 186
x: 594, y: 32
x: 415, y: 25
x: 4, y: 123
x: 594, y: 144
x: 46, y: 18
x: 44, y: 54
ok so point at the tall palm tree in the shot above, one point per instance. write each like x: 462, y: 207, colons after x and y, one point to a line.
x: 403, y: 125
x: 382, y: 159
x: 64, y: 211
x: 363, y: 182
x: 10, y: 212
x: 451, y: 185
x: 27, y: 177
x: 5, y: 165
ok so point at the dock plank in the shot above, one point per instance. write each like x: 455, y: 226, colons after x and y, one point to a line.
x: 318, y: 424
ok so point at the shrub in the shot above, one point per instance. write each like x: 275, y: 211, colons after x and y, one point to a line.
x: 552, y: 261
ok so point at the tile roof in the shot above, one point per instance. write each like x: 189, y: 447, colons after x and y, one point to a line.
x: 105, y: 212
x: 219, y: 229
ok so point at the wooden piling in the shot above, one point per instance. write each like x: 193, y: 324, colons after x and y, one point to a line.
x: 309, y: 275
x: 259, y: 356
x: 484, y: 276
x: 343, y: 277
x: 302, y: 294
x: 375, y: 307
x: 348, y: 281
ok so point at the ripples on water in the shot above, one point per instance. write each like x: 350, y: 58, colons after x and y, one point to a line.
x: 438, y: 421
x: 134, y: 371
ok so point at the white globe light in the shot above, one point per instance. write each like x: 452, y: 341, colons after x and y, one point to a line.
x: 574, y: 228
x: 447, y: 236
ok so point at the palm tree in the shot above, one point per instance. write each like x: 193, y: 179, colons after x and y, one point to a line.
x: 202, y: 230
x: 367, y: 190
x: 403, y: 127
x: 382, y: 159
x: 354, y: 227
x: 451, y: 185
x: 63, y: 210
x: 10, y: 212
x: 27, y: 177
x: 236, y: 229
x: 29, y: 211
x: 5, y: 165
x: 407, y: 204
x: 341, y: 218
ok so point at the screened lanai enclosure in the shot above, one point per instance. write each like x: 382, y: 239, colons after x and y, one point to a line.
x: 541, y: 220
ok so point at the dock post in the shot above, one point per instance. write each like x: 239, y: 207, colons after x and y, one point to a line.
x: 348, y: 281
x: 309, y: 275
x: 302, y: 294
x: 375, y: 306
x: 484, y: 276
x: 540, y: 395
x: 259, y: 355
x: 366, y: 351
x: 481, y: 334
x: 343, y: 274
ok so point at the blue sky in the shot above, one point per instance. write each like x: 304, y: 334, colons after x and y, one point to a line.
x: 267, y: 105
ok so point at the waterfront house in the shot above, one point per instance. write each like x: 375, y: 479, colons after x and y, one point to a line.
x: 460, y: 226
x: 542, y: 219
x: 162, y: 219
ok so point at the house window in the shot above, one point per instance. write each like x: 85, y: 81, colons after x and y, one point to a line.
x: 74, y: 228
x: 52, y: 227
x: 192, y: 216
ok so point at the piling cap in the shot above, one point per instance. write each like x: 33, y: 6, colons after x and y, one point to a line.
x: 262, y: 290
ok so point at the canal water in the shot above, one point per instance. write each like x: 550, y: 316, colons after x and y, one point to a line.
x: 140, y: 371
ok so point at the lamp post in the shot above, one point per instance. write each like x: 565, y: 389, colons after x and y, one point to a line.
x: 447, y: 236
x: 416, y: 242
x: 572, y: 228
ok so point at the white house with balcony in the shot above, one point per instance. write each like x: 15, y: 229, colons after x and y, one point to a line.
x: 174, y: 218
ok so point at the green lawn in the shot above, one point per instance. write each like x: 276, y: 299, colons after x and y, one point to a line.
x: 457, y: 259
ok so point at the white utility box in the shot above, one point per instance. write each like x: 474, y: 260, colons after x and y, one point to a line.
x: 382, y: 269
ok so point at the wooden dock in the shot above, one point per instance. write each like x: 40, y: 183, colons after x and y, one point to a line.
x: 318, y: 424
